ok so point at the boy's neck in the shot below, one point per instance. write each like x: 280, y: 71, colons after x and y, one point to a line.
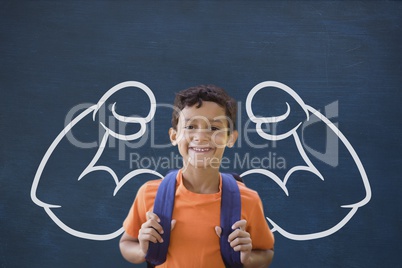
x: 201, y: 180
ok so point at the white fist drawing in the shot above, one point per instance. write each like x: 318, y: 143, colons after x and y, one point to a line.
x: 308, y: 167
x: 108, y: 134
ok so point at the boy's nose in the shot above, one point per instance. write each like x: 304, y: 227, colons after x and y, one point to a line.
x: 201, y: 134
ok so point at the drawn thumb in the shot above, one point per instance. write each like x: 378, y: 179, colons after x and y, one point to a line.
x: 173, y: 223
x: 218, y: 231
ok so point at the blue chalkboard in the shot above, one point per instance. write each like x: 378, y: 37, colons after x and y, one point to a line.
x: 86, y: 89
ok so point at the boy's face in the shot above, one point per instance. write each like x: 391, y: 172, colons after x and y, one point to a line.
x: 202, y: 135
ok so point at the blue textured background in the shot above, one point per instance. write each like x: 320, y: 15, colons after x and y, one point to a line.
x: 55, y: 55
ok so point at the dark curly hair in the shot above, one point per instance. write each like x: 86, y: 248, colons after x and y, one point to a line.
x: 195, y: 95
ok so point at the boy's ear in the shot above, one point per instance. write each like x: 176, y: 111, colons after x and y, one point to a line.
x: 173, y: 136
x: 232, y: 138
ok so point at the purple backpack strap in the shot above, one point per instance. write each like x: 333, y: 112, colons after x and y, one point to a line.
x: 230, y: 213
x: 163, y: 207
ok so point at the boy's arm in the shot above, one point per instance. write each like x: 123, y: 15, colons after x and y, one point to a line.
x: 259, y: 258
x: 130, y: 249
x: 133, y: 249
x: 240, y: 240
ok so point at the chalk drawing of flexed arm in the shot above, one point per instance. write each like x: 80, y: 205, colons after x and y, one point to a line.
x: 93, y: 166
x: 310, y: 166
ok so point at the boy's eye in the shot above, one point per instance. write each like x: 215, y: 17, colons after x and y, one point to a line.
x: 194, y: 127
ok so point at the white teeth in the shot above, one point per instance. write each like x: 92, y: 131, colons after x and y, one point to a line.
x: 200, y: 149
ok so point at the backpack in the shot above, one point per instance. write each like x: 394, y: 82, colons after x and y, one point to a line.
x: 230, y: 213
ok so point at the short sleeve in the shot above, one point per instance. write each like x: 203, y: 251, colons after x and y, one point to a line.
x: 143, y: 202
x: 257, y: 225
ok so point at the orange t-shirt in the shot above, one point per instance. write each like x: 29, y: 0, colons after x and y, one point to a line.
x: 193, y: 241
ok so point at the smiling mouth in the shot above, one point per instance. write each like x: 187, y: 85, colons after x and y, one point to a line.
x: 201, y: 150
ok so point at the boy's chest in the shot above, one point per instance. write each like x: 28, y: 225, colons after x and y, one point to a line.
x: 195, y: 224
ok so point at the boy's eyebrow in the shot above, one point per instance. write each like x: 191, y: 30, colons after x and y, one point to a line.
x: 214, y: 120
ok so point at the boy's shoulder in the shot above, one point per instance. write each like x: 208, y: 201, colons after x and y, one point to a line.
x: 151, y: 184
x: 246, y: 193
x: 149, y: 188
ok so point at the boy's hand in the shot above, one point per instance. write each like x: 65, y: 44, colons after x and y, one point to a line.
x: 151, y: 231
x: 239, y: 240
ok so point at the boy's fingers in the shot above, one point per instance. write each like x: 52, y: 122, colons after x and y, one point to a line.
x: 152, y: 223
x: 218, y: 231
x: 238, y: 234
x: 243, y: 242
x: 243, y: 247
x: 239, y: 228
x: 173, y: 223
x: 150, y: 234
x: 241, y: 224
x: 152, y: 216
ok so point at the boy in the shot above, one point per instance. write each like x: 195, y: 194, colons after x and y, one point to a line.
x: 203, y: 125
